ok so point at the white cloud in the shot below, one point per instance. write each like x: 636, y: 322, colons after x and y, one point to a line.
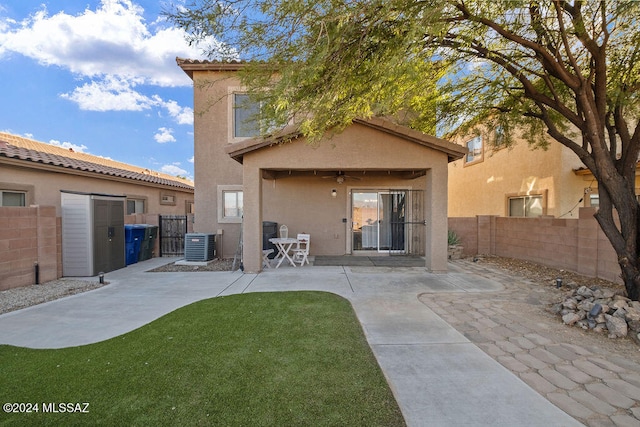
x: 112, y: 40
x: 192, y: 159
x: 110, y: 94
x: 164, y: 135
x: 173, y: 169
x: 112, y: 50
x: 67, y: 145
x: 182, y: 115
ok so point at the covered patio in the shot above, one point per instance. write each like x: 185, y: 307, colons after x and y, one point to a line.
x: 344, y: 190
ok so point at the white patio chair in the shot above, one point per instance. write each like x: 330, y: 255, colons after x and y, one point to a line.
x: 284, y: 231
x: 301, y: 250
x: 266, y: 262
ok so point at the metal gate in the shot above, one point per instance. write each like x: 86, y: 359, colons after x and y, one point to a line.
x: 172, y: 230
x: 407, y: 222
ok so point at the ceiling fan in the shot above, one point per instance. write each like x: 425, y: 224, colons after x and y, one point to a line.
x: 340, y: 177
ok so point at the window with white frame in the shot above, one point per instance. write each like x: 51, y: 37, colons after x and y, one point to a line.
x: 245, y: 116
x: 474, y: 147
x: 230, y: 203
x: 13, y: 198
x: 135, y: 206
x: 526, y: 206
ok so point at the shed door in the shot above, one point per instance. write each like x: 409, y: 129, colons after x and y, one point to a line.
x: 108, y: 232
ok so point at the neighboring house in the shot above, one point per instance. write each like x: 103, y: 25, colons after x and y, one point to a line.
x: 518, y: 181
x: 33, y: 176
x: 34, y: 173
x: 375, y: 188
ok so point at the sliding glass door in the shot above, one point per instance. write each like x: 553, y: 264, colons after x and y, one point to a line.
x: 378, y: 220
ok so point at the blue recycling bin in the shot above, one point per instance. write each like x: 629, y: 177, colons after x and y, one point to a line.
x: 133, y: 236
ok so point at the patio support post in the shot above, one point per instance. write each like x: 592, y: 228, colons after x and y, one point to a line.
x: 436, y: 219
x: 252, y: 223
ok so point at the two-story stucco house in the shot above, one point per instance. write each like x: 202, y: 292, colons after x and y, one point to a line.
x: 519, y: 181
x: 376, y: 188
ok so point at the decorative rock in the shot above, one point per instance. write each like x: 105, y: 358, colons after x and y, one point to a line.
x: 556, y: 308
x: 595, y: 310
x: 621, y: 313
x: 585, y: 305
x: 599, y: 310
x: 617, y: 326
x: 572, y: 318
x: 619, y: 303
x: 634, y: 325
x: 570, y: 303
x: 632, y: 313
x: 585, y: 292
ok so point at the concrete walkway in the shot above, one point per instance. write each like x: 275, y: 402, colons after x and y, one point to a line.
x: 438, y: 376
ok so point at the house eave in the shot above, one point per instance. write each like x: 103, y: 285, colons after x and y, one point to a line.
x: 189, y: 66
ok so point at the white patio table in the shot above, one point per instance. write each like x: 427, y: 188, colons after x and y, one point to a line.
x: 284, y: 246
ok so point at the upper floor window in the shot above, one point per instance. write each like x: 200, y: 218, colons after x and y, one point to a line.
x: 526, y: 206
x: 13, y: 198
x: 245, y: 115
x: 475, y: 150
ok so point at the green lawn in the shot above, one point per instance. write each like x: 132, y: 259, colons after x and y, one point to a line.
x: 264, y: 359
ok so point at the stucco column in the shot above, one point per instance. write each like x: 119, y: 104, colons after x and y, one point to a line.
x: 252, y: 223
x: 435, y: 210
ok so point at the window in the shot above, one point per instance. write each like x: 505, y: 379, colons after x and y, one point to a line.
x: 168, y: 199
x: 232, y: 204
x: 500, y: 137
x: 189, y: 207
x: 525, y: 206
x: 135, y: 206
x: 13, y: 198
x: 475, y: 150
x: 245, y: 114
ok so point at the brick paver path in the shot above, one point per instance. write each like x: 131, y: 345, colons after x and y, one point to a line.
x: 589, y: 377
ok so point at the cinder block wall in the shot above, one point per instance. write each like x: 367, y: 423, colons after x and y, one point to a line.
x: 577, y: 245
x: 29, y: 235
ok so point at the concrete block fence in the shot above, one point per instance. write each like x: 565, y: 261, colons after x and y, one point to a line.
x: 574, y: 244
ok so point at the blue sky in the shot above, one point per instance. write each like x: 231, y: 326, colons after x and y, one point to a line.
x: 99, y: 77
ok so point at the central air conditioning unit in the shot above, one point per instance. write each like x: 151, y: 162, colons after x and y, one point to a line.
x: 199, y: 247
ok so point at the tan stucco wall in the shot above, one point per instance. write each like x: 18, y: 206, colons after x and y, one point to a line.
x: 305, y: 203
x: 212, y: 166
x: 44, y: 186
x: 482, y: 188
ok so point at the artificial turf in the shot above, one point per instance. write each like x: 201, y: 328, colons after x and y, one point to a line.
x: 257, y: 359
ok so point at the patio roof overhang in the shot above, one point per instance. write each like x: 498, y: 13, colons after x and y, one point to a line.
x: 348, y: 174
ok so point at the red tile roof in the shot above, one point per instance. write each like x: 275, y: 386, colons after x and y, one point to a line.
x: 28, y: 150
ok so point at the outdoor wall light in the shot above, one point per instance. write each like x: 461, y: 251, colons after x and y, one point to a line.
x: 334, y: 193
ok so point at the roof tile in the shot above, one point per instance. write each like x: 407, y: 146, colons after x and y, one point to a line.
x: 16, y: 147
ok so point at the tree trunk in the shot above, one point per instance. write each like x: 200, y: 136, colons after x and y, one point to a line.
x: 622, y: 234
